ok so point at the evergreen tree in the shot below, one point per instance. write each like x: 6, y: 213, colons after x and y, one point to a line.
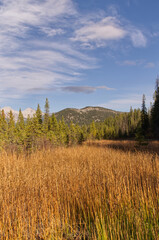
x: 155, y: 112
x: 63, y: 132
x: 54, y: 124
x: 144, y: 118
x: 3, y: 128
x: 11, y: 128
x: 20, y: 121
x: 39, y: 115
x: 47, y: 107
x: 53, y: 134
x: 84, y: 130
x: 46, y: 123
x: 38, y: 121
x: 29, y: 134
x: 20, y: 129
x: 72, y: 133
x: 81, y: 138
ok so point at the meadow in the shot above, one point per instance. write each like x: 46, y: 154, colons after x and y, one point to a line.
x: 93, y: 191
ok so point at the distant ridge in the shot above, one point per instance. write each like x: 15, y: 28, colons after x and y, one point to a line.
x: 81, y: 116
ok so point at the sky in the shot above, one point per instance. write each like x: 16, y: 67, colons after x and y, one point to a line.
x: 78, y: 53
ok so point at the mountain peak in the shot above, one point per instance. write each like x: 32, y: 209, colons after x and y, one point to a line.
x: 7, y: 109
x: 26, y: 112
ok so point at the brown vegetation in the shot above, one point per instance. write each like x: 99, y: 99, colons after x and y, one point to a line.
x: 127, y: 145
x: 83, y: 192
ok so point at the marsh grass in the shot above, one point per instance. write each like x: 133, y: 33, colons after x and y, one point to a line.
x: 81, y: 193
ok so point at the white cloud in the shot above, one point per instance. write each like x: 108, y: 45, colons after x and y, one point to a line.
x: 52, y: 32
x: 35, y: 45
x: 138, y: 38
x: 128, y: 63
x: 139, y: 62
x: 107, y: 29
x: 150, y: 65
x: 41, y: 67
x: 16, y: 13
x: 19, y: 17
x: 29, y: 54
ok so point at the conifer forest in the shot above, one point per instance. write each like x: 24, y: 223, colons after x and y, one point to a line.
x: 44, y: 130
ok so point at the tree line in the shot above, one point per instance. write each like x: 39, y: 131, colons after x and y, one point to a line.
x: 43, y: 130
x: 149, y: 122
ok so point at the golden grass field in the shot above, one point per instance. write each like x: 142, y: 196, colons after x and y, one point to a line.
x: 83, y: 192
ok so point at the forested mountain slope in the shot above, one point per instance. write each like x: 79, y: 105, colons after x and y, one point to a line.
x: 85, y: 115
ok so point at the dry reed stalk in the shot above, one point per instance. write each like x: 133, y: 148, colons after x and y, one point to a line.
x: 81, y: 192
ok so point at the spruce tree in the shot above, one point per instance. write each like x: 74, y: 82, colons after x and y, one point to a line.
x: 29, y: 134
x: 72, y: 133
x: 54, y: 124
x: 53, y: 134
x: 39, y: 114
x: 38, y: 120
x: 46, y: 123
x: 20, y: 129
x: 144, y: 118
x: 11, y: 127
x: 20, y: 121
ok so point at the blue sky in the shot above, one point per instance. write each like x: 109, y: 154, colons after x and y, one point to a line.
x: 78, y: 53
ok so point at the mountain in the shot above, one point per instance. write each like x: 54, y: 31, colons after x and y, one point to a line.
x: 81, y: 116
x: 26, y: 112
x: 85, y: 115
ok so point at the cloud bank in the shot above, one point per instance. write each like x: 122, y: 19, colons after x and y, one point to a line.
x: 84, y: 89
x: 39, y: 44
x: 72, y: 89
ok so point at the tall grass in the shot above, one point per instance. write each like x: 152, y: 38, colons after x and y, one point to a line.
x: 79, y: 193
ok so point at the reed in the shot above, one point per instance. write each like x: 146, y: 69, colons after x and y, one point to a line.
x: 83, y: 192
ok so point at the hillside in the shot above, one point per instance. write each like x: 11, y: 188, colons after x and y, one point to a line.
x: 85, y: 115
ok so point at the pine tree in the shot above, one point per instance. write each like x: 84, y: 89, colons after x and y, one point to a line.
x: 54, y: 124
x: 38, y: 121
x: 63, y: 132
x: 155, y: 112
x: 29, y: 138
x: 11, y: 128
x: 144, y: 118
x: 84, y: 130
x: 20, y: 122
x: 53, y: 134
x: 20, y: 129
x: 81, y: 138
x: 46, y: 123
x: 72, y: 133
x: 39, y: 115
